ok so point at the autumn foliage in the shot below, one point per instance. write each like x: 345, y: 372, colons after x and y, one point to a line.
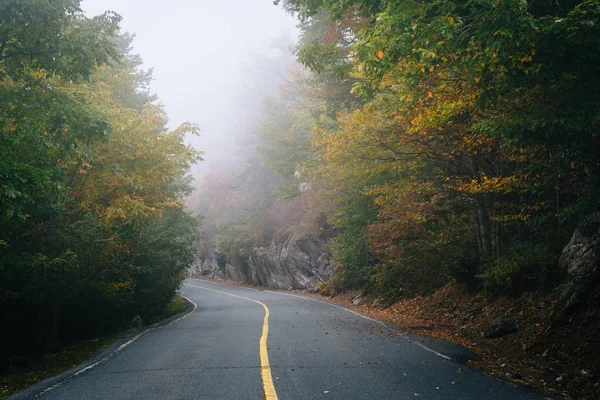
x: 471, y: 148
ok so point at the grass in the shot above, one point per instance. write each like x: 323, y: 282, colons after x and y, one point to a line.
x: 53, y: 364
x: 176, y: 306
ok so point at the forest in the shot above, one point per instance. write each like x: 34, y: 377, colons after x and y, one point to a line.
x: 427, y: 142
x: 93, y: 231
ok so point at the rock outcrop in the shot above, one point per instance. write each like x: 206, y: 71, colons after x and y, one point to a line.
x: 212, y: 265
x: 296, y: 263
x: 580, y: 261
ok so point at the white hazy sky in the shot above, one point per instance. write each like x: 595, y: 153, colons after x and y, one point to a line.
x: 200, y: 51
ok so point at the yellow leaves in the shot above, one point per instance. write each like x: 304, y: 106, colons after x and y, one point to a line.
x: 496, y: 184
x: 39, y: 74
x: 114, y: 213
x: 129, y: 176
x: 574, y: 165
x: 120, y: 286
x: 526, y: 58
x: 379, y: 54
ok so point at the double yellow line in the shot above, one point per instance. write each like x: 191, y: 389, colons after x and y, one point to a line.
x: 265, y: 367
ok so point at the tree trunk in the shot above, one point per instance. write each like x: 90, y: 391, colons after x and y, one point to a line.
x: 484, y: 226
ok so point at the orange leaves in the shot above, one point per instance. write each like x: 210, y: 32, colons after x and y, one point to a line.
x: 495, y: 184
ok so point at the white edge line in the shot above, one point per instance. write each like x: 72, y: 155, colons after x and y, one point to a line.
x: 421, y: 345
x: 118, y: 350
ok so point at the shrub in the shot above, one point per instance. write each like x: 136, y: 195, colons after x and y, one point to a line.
x: 522, y: 267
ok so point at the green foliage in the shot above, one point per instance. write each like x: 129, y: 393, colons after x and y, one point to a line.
x: 92, y: 228
x: 522, y: 267
x: 349, y: 248
x: 236, y: 240
x: 162, y: 252
x: 54, y: 36
x: 176, y: 306
x: 285, y: 138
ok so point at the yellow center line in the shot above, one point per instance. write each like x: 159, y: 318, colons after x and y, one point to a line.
x: 265, y: 367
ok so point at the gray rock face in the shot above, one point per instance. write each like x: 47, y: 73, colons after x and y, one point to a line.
x: 580, y: 260
x: 212, y: 265
x: 580, y: 257
x: 294, y: 264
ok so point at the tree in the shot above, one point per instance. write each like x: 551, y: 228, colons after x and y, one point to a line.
x: 93, y: 230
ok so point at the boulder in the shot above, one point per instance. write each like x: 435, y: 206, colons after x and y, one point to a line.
x: 501, y: 327
x: 211, y: 264
x: 579, y: 261
x: 359, y: 300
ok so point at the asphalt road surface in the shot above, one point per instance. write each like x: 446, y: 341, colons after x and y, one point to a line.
x: 313, y: 350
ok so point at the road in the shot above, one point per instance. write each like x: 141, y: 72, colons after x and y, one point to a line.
x: 313, y: 350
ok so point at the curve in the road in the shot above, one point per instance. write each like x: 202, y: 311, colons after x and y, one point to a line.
x: 265, y: 367
x: 316, y: 351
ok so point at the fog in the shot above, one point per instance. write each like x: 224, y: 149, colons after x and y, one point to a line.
x: 212, y: 60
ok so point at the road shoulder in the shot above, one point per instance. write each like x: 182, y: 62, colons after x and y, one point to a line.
x: 125, y: 339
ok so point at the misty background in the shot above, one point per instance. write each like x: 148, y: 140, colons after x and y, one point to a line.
x: 213, y: 62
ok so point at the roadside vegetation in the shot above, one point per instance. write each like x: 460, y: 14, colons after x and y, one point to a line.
x: 176, y: 306
x: 68, y: 356
x: 51, y: 364
x: 93, y: 233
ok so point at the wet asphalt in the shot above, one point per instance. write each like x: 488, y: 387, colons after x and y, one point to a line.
x: 316, y: 351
